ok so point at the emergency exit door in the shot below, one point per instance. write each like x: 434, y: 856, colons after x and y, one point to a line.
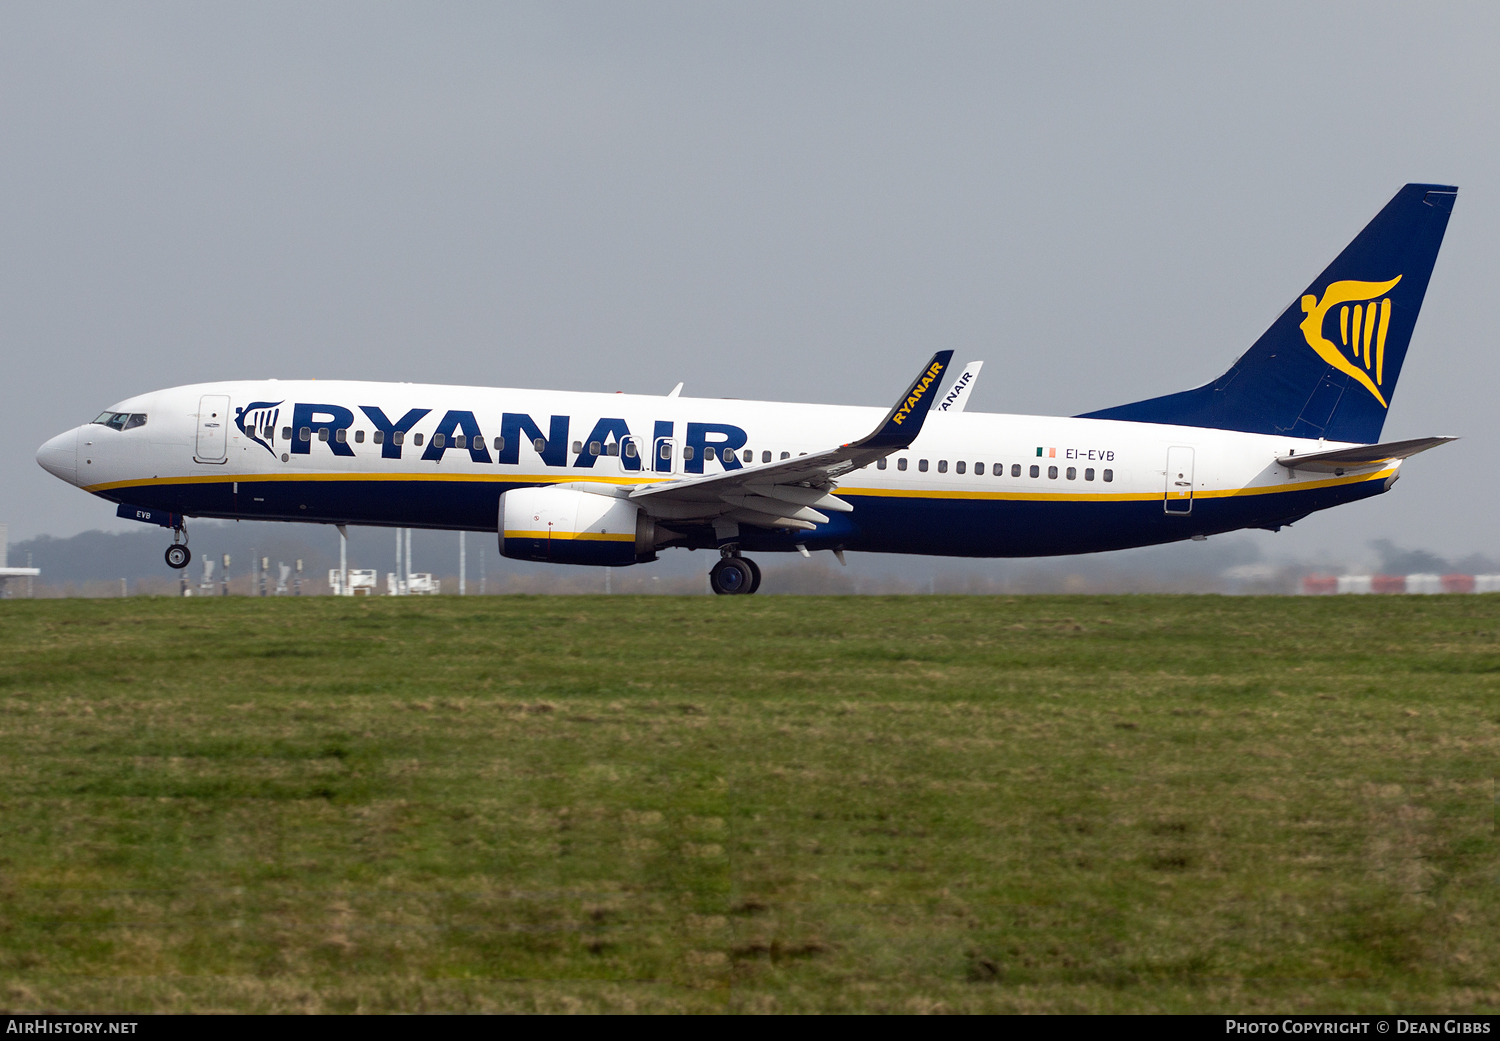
x: 664, y: 455
x: 213, y: 433
x: 1179, y: 480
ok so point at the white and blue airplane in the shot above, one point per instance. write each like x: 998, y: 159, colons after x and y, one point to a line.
x: 613, y: 479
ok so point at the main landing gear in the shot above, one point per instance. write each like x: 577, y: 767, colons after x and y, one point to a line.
x: 734, y: 574
x: 178, y: 555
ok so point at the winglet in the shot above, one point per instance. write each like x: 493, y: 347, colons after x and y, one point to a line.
x: 904, y: 421
x: 958, y: 394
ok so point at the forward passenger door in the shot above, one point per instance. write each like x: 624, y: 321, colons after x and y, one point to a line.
x: 213, y: 432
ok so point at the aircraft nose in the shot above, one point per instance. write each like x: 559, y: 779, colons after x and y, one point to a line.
x: 59, y: 457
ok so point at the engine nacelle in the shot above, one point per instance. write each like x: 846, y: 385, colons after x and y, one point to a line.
x: 568, y: 526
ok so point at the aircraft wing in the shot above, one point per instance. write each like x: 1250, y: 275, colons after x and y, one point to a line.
x: 1342, y: 460
x: 791, y: 493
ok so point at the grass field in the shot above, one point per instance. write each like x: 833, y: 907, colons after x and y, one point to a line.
x: 750, y: 804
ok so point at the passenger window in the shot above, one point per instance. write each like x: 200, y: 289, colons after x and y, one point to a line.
x: 979, y: 469
x: 901, y: 464
x: 958, y: 467
x: 942, y: 466
x: 499, y: 444
x: 378, y: 437
x: 749, y: 456
x: 786, y: 455
x: 438, y: 440
x: 630, y: 450
x: 460, y: 441
x: 1015, y: 470
x: 922, y: 465
x: 398, y: 437
x: 613, y: 448
x: 359, y: 437
x: 538, y: 446
x: 305, y: 433
x: 1036, y: 471
x: 687, y: 451
x: 341, y: 435
x: 1052, y: 473
x: 578, y: 448
x: 416, y: 439
x: 1072, y: 474
x: 286, y: 434
x: 322, y: 433
x: 593, y: 448
x: 765, y: 457
x: 666, y: 450
x: 880, y: 464
x: 137, y: 419
x: 710, y: 453
x: 1109, y: 475
x: 1088, y: 475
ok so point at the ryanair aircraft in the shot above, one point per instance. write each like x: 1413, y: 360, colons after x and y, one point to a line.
x: 614, y: 479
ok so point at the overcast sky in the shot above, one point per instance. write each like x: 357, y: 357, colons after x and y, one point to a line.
x: 789, y: 201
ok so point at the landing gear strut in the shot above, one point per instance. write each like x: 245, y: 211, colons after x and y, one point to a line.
x: 178, y: 555
x: 734, y: 574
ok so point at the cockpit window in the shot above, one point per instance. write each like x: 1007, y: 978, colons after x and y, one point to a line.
x: 122, y: 420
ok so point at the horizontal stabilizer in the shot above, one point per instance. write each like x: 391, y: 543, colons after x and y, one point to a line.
x: 1342, y: 460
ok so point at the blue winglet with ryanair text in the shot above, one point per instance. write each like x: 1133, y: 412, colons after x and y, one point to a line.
x: 904, y: 421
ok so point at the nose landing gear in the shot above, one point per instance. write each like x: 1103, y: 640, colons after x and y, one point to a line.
x: 734, y: 574
x: 178, y: 555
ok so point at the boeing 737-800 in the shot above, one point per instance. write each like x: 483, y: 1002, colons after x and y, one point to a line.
x: 613, y: 479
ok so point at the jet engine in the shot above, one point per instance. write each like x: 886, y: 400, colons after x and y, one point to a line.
x: 571, y: 526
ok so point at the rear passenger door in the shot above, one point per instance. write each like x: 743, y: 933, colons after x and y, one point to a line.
x: 1179, y: 492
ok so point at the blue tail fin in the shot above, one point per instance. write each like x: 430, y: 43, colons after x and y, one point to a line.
x: 1328, y: 366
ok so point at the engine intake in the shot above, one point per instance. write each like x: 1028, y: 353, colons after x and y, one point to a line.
x: 568, y: 526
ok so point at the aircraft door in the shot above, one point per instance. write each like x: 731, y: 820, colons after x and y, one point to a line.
x: 664, y: 455
x: 213, y: 428
x: 1179, y: 493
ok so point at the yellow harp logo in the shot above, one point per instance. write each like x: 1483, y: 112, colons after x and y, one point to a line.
x: 1361, y: 329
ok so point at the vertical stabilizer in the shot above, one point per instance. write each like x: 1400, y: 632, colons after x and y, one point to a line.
x: 1327, y: 368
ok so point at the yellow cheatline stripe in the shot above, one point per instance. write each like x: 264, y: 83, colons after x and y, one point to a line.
x: 319, y: 477
x: 1225, y: 493
x: 573, y: 536
x: 896, y: 493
